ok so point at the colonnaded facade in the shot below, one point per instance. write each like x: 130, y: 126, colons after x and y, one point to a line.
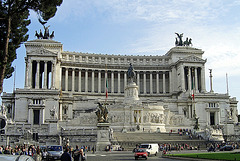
x: 62, y: 89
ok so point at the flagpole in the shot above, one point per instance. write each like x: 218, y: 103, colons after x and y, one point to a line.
x: 193, y: 88
x: 227, y: 83
x: 106, y: 88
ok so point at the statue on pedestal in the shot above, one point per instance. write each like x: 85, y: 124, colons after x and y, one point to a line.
x: 131, y: 73
x: 53, y: 113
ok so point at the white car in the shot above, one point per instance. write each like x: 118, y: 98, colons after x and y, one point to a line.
x: 54, y: 152
x: 16, y: 157
x: 150, y: 148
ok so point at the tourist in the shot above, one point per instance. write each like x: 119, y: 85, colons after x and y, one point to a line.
x: 44, y: 154
x: 37, y: 156
x: 82, y: 155
x: 66, y: 156
x: 76, y: 154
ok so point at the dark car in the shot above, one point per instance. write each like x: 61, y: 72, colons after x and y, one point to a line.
x: 226, y: 148
x: 140, y: 153
x: 211, y: 148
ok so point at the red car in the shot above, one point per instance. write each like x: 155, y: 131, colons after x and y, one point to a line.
x: 140, y: 153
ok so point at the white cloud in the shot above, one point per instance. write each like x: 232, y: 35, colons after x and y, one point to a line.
x: 154, y: 11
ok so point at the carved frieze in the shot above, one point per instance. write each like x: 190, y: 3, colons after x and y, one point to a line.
x: 41, y: 52
x: 193, y: 58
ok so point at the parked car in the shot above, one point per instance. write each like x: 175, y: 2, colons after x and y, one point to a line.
x: 16, y: 157
x: 226, y: 148
x: 211, y: 148
x: 54, y: 152
x: 140, y: 153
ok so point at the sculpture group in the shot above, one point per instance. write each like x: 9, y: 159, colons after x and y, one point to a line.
x: 46, y: 34
x: 102, y: 113
x: 180, y: 42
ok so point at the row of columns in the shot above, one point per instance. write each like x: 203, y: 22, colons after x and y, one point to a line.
x: 73, y: 70
x: 32, y: 78
x: 195, y: 78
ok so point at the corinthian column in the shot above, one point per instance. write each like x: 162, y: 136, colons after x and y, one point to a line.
x: 151, y: 84
x: 196, y: 80
x: 183, y: 88
x: 170, y: 81
x: 93, y: 80
x: 26, y: 73
x: 144, y: 82
x: 112, y: 79
x: 37, y: 77
x: 189, y: 79
x: 157, y: 80
x: 79, y: 80
x: 73, y: 80
x: 138, y: 81
x: 53, y: 74
x: 86, y: 80
x: 99, y: 81
x: 45, y: 75
x: 66, y: 79
x: 164, y: 82
x: 203, y: 88
x: 125, y: 79
x: 119, y: 82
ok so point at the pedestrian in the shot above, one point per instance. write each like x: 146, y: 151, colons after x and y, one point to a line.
x: 44, y: 155
x: 82, y: 155
x: 37, y: 156
x: 66, y: 156
x: 76, y: 154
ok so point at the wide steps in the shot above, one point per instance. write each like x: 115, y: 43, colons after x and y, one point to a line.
x: 118, y: 136
x: 129, y: 140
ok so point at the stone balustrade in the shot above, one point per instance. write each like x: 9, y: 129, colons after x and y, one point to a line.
x: 114, y: 59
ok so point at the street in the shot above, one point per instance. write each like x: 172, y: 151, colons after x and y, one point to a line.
x: 128, y: 155
x: 120, y: 156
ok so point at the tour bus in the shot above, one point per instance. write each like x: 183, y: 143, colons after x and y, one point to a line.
x: 151, y: 148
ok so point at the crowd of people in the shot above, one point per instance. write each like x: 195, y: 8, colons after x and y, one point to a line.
x: 38, y: 154
x: 32, y: 151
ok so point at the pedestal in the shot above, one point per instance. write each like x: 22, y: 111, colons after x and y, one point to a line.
x: 53, y: 126
x: 102, y: 136
x: 131, y: 93
x: 229, y: 128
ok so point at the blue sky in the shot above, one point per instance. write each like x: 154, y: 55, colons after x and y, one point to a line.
x: 147, y: 27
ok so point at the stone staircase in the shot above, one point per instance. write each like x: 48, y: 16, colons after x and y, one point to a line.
x: 129, y: 140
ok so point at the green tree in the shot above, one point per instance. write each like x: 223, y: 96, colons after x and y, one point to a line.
x: 14, y: 20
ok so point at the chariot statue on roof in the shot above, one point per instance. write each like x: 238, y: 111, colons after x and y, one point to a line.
x: 179, y: 40
x: 46, y: 34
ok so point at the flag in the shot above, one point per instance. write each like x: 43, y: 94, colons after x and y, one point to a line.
x: 106, y: 89
x: 192, y: 95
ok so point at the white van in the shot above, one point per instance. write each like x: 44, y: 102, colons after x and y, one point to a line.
x: 151, y: 148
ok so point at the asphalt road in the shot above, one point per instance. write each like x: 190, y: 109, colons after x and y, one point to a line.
x: 120, y: 156
x: 127, y: 155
